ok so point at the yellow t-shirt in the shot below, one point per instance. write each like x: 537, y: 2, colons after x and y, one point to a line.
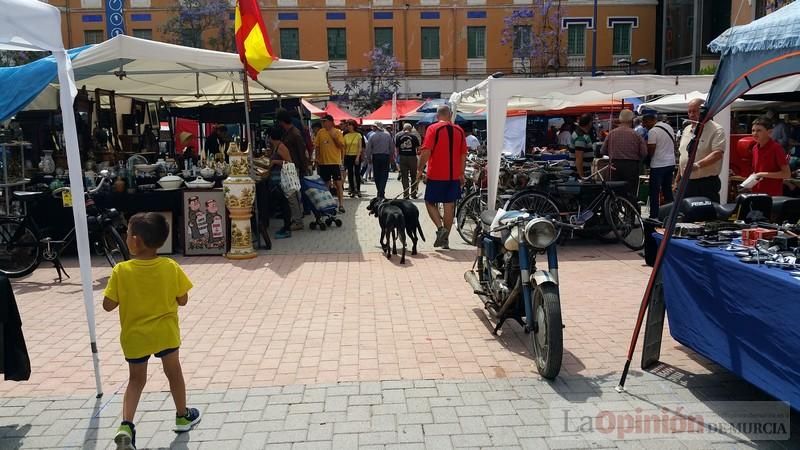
x: 327, y: 152
x: 352, y: 144
x: 146, y: 291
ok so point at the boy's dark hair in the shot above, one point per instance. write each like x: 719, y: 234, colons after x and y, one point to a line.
x: 764, y: 121
x: 151, y: 228
x: 585, y: 119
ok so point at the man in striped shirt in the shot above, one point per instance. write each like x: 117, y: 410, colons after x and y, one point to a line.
x: 627, y: 150
x: 581, y: 152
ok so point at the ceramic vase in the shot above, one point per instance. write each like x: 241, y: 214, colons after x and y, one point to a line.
x: 47, y: 165
x: 240, y: 195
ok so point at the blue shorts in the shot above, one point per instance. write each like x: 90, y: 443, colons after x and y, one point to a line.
x: 437, y: 191
x: 144, y: 359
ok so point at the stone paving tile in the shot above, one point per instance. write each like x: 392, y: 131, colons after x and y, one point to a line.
x: 362, y: 427
x: 321, y: 342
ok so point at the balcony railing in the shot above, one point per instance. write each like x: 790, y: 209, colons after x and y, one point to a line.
x: 473, y: 72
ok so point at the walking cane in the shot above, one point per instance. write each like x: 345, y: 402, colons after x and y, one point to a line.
x: 670, y: 228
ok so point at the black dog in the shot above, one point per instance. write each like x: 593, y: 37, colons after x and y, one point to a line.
x: 393, y: 225
x: 410, y: 213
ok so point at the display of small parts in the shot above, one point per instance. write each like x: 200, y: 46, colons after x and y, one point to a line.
x: 689, y: 230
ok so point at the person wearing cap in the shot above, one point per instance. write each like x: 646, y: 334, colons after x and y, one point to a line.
x: 329, y: 143
x: 444, y: 150
x: 704, y: 180
x: 407, y: 144
x: 661, y: 146
x: 627, y: 150
x: 380, y: 149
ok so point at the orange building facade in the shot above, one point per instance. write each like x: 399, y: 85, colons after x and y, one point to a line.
x: 428, y: 37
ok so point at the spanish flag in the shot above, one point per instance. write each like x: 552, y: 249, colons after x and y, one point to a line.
x: 252, y: 41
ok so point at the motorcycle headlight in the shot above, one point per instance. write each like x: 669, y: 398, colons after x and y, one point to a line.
x: 540, y: 232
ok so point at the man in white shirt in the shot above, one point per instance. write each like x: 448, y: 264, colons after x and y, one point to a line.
x: 711, y: 146
x: 472, y: 142
x: 661, y: 147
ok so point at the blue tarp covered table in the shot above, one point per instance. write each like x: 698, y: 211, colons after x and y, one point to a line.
x: 744, y: 317
x: 551, y: 157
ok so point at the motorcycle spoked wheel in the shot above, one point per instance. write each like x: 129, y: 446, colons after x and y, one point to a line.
x: 547, y: 340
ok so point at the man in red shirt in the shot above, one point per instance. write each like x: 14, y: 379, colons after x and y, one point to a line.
x: 770, y: 162
x: 444, y: 149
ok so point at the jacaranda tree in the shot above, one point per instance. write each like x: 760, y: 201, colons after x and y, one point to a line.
x: 201, y: 24
x: 375, y: 84
x: 536, y: 37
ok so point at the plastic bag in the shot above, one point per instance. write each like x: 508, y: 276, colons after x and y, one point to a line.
x: 290, y: 182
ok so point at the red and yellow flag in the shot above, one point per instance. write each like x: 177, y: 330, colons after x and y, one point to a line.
x: 252, y: 41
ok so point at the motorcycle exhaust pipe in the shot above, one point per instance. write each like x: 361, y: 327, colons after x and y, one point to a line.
x: 471, y: 278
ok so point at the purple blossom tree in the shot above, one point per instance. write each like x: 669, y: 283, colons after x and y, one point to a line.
x: 535, y: 36
x: 10, y: 58
x: 195, y: 18
x: 375, y: 84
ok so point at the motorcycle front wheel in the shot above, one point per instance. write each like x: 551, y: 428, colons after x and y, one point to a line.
x: 547, y: 340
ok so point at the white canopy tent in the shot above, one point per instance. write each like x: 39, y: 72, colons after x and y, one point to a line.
x: 26, y: 26
x: 677, y: 103
x: 186, y: 76
x: 500, y: 94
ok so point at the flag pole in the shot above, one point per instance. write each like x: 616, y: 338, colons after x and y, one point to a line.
x: 249, y: 134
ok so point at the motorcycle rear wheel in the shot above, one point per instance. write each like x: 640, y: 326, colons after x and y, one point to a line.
x: 547, y: 342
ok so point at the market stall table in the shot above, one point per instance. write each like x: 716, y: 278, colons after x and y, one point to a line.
x: 743, y: 317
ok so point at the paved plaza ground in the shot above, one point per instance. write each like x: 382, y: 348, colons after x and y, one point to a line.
x: 323, y: 343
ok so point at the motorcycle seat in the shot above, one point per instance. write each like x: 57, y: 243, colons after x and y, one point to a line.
x: 725, y: 211
x: 27, y: 196
x: 786, y: 209
x: 487, y: 217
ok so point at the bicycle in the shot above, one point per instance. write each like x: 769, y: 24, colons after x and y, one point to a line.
x: 513, y: 178
x: 608, y: 215
x: 23, y: 245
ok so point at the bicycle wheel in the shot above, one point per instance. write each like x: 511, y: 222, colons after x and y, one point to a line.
x: 536, y: 203
x: 548, y: 340
x: 19, y: 249
x: 625, y: 221
x: 114, y: 248
x: 468, y: 216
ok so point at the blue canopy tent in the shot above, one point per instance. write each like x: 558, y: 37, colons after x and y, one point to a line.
x: 750, y: 55
x: 29, y: 81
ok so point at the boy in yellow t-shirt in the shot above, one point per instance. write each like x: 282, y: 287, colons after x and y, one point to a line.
x: 148, y: 290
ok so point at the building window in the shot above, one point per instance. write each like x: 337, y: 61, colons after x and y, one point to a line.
x: 622, y: 39
x: 337, y: 44
x: 384, y: 39
x: 290, y: 43
x: 576, y: 39
x: 140, y: 3
x: 92, y: 36
x: 91, y: 4
x: 143, y: 33
x: 522, y: 38
x: 476, y: 42
x: 430, y: 42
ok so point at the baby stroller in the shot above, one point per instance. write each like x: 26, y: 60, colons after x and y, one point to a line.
x: 317, y: 197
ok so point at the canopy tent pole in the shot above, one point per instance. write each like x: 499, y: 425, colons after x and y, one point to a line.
x: 66, y: 96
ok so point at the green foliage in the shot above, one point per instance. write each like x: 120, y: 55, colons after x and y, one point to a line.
x: 708, y: 70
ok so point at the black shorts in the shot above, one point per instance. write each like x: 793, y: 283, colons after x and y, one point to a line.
x: 330, y: 172
x: 144, y: 359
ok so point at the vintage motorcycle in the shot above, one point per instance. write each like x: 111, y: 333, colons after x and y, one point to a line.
x: 507, y: 280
